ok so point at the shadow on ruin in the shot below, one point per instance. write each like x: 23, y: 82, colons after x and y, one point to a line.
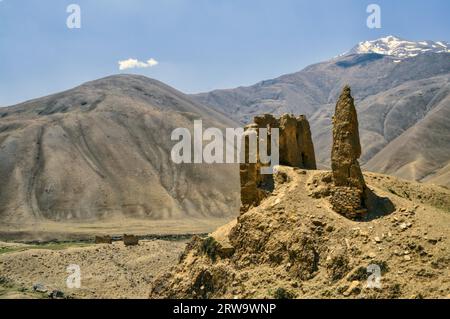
x: 345, y: 187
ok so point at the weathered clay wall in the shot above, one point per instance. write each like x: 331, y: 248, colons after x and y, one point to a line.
x: 295, y: 148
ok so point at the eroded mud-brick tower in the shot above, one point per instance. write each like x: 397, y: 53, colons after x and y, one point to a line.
x: 349, y: 193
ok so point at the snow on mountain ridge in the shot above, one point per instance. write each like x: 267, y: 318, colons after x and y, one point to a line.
x: 400, y: 48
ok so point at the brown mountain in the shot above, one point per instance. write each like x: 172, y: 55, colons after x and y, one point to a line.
x: 423, y: 151
x: 101, y: 152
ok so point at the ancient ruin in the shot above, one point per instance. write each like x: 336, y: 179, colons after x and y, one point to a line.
x: 349, y: 192
x: 295, y: 148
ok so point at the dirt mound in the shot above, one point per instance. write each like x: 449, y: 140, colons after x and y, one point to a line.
x: 295, y: 246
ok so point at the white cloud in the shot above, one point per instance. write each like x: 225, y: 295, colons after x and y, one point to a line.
x: 134, y: 63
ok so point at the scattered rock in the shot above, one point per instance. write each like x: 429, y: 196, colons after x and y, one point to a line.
x: 318, y: 223
x: 56, y: 294
x: 353, y: 289
x: 405, y: 226
x: 38, y: 287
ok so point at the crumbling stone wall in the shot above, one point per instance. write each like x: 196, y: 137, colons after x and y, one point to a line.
x: 296, y: 149
x: 347, y: 201
x: 348, y: 196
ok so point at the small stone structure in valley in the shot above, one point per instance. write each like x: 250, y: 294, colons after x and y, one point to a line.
x: 130, y: 240
x: 103, y: 239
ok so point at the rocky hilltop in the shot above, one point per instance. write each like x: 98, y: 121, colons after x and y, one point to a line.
x: 322, y: 234
x: 296, y: 246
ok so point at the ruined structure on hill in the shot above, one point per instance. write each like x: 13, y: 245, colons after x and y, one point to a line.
x: 295, y: 148
x: 348, y: 190
x: 348, y: 196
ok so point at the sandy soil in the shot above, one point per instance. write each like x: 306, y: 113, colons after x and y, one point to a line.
x: 107, y: 271
x: 45, y: 231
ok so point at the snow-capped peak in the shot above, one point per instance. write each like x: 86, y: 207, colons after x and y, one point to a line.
x: 400, y: 48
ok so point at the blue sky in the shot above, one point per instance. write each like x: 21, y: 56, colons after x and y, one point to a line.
x: 200, y: 45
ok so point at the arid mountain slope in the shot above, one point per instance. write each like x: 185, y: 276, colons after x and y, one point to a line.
x: 392, y: 95
x: 441, y: 177
x: 295, y: 246
x: 423, y: 149
x: 102, y: 150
